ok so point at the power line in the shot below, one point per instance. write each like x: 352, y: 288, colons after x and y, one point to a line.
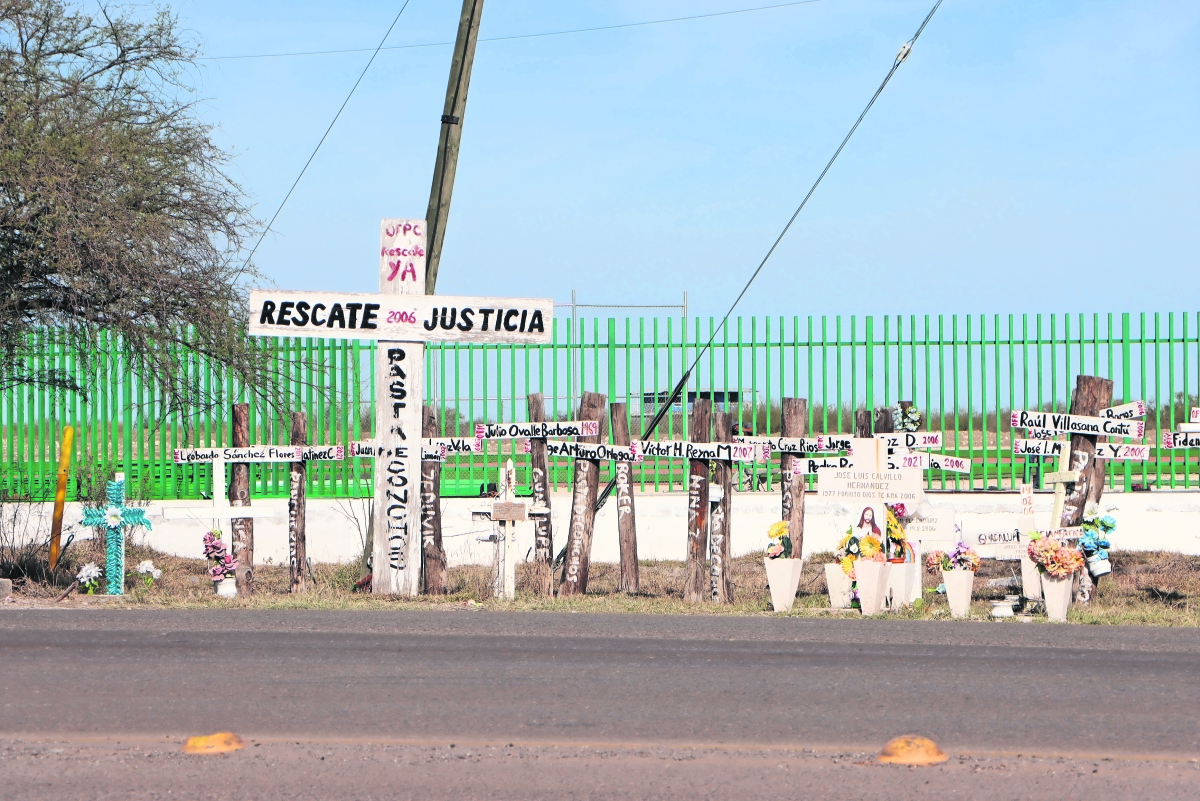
x: 515, y: 36
x: 324, y: 135
x: 679, y: 387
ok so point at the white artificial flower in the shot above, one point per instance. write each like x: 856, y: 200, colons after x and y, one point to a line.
x: 157, y: 574
x: 112, y: 517
x: 88, y: 573
x: 145, y: 567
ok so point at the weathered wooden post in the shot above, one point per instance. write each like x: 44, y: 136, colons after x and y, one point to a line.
x: 885, y: 423
x: 696, y: 587
x: 795, y: 424
x: 573, y: 580
x: 626, y: 519
x: 1092, y: 394
x: 539, y: 479
x: 862, y: 424
x: 721, y: 583
x: 242, y: 528
x: 433, y: 555
x: 297, y: 507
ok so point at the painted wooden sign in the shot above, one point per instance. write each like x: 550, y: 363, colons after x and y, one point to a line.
x: 1180, y: 439
x: 433, y: 449
x: 857, y: 485
x: 1039, y: 447
x: 561, y: 428
x: 1191, y: 428
x: 584, y: 450
x: 809, y: 466
x: 1131, y: 453
x: 401, y: 318
x: 928, y: 461
x: 1007, y: 545
x: 255, y: 453
x: 676, y: 449
x: 1125, y: 411
x: 1078, y: 424
x: 826, y: 443
x: 1195, y: 415
x: 322, y: 453
x: 912, y: 439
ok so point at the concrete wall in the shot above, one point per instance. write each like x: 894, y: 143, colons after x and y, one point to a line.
x: 1162, y: 520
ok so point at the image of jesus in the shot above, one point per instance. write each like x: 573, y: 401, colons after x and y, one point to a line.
x: 866, y: 524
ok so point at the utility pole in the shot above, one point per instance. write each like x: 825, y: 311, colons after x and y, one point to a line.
x: 451, y: 135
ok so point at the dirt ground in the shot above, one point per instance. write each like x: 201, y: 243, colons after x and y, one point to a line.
x: 1150, y: 588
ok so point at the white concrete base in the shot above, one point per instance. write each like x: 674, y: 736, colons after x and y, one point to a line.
x: 1162, y: 520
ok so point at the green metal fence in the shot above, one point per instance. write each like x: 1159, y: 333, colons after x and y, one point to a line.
x: 964, y: 372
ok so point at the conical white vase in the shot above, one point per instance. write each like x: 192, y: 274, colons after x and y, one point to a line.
x: 872, y: 578
x: 1031, y: 579
x: 1057, y: 592
x: 839, y: 586
x: 783, y: 577
x: 958, y: 591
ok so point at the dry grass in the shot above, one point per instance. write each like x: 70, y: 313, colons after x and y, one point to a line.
x: 1146, y: 588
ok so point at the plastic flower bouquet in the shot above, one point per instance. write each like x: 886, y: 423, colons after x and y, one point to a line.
x: 148, y: 572
x: 961, y: 558
x: 224, y: 565
x: 89, y: 577
x: 1053, y: 558
x: 1096, y: 528
x: 779, y: 544
x: 848, y: 550
x: 906, y: 420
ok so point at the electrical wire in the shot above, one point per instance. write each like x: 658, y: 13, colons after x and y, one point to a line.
x: 516, y: 36
x: 296, y: 183
x: 679, y: 387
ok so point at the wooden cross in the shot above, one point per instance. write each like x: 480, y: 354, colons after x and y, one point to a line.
x: 402, y: 318
x: 220, y: 509
x: 1060, y: 480
x: 507, y: 513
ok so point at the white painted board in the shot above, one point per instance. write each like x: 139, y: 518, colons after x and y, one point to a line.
x: 400, y: 318
x: 584, y: 450
x: 254, y: 453
x: 560, y: 428
x: 677, y: 449
x: 1039, y: 447
x: 1078, y: 424
x: 1125, y: 411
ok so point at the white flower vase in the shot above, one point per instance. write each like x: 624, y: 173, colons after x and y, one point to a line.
x: 904, y: 583
x: 839, y: 586
x: 959, y: 584
x: 1057, y: 592
x: 783, y: 577
x: 226, y: 588
x: 1031, y: 579
x: 872, y: 578
x: 1098, y: 567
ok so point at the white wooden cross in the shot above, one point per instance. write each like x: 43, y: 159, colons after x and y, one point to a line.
x: 402, y: 318
x: 506, y: 512
x: 1060, y: 480
x: 220, y: 509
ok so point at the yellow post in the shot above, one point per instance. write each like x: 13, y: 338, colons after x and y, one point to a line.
x: 60, y: 497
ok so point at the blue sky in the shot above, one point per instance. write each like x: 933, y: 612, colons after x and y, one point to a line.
x: 1028, y: 157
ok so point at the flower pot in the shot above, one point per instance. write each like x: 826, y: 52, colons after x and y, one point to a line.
x: 839, y: 586
x: 226, y: 588
x: 1002, y: 608
x: 783, y: 577
x: 959, y: 584
x: 1031, y: 579
x: 1098, y: 567
x: 1057, y: 593
x: 872, y: 578
x: 904, y: 583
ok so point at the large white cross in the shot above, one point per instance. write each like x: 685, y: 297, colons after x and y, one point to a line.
x: 402, y: 318
x: 219, y: 509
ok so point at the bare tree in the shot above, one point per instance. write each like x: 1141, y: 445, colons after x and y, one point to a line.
x: 115, y: 213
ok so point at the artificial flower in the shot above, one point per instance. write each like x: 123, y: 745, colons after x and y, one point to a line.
x: 848, y: 566
x: 112, y: 517
x: 870, y: 545
x: 145, y: 567
x: 88, y: 573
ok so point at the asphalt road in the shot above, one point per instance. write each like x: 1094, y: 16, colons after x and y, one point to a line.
x: 638, y: 688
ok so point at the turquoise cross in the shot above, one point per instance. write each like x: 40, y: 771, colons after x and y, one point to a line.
x: 115, y: 517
